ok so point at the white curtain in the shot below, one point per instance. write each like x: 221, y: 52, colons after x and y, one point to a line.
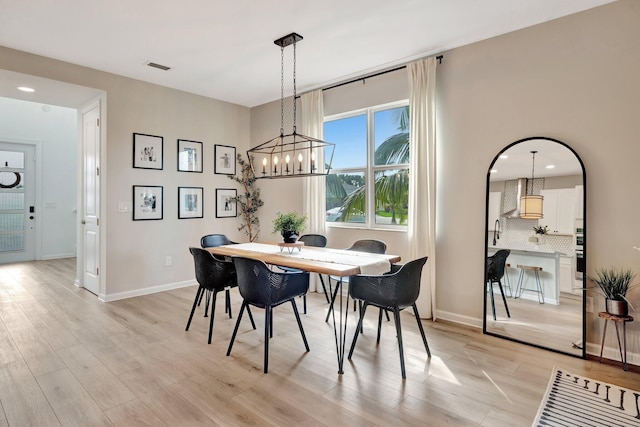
x: 313, y: 188
x: 422, y: 186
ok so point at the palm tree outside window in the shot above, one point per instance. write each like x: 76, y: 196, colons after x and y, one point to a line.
x: 372, y: 151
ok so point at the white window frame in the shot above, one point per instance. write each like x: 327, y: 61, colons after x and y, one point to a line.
x: 369, y: 169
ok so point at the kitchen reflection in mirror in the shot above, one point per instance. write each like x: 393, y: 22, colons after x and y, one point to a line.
x: 534, y: 287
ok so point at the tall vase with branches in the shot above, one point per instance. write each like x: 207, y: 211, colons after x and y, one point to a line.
x: 248, y: 200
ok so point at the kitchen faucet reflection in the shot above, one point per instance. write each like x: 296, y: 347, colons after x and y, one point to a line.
x: 496, y: 231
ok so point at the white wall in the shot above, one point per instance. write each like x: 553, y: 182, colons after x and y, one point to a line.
x: 56, y: 129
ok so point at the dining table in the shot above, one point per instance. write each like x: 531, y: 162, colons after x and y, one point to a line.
x: 335, y: 262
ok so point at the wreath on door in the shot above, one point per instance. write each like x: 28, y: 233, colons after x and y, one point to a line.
x: 12, y: 184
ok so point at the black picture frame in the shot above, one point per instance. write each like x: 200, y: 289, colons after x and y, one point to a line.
x: 189, y: 156
x: 225, y: 206
x: 224, y: 160
x: 148, y: 202
x: 190, y: 202
x: 148, y: 151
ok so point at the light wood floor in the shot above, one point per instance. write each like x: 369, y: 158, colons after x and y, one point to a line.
x: 549, y: 325
x: 68, y: 359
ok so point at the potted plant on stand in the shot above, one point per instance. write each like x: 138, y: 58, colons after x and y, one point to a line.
x: 290, y: 225
x: 614, y: 285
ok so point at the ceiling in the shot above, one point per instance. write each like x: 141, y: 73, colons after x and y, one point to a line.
x: 225, y: 50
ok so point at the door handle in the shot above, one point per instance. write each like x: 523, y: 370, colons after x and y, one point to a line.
x: 84, y: 222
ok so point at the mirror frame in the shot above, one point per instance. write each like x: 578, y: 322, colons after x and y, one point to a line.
x: 583, y: 354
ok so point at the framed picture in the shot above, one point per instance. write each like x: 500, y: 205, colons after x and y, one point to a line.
x: 189, y: 156
x: 147, y: 202
x: 147, y: 151
x: 225, y: 205
x: 225, y: 159
x: 190, y: 202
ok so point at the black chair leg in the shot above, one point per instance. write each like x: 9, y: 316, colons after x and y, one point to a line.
x: 304, y: 302
x: 503, y: 298
x: 424, y: 337
x: 380, y: 323
x: 267, y: 323
x: 206, y: 302
x: 396, y: 316
x: 324, y: 289
x: 235, y: 330
x: 253, y: 324
x: 213, y: 310
x: 227, y: 298
x: 355, y: 336
x: 295, y: 311
x: 386, y: 313
x: 199, y: 300
x: 493, y: 304
x: 195, y: 303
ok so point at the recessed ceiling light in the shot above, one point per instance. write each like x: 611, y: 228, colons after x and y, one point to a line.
x: 493, y: 170
x: 26, y: 89
x: 504, y: 156
x: 551, y: 166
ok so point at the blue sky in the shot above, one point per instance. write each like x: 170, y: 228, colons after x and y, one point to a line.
x: 349, y: 135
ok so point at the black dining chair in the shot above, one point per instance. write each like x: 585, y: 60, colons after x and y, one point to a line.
x: 213, y: 275
x: 495, y: 272
x: 364, y: 245
x: 212, y: 240
x: 263, y: 288
x: 318, y: 241
x: 393, y: 291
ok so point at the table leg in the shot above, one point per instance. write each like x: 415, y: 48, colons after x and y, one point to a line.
x: 339, y: 327
x: 604, y: 334
x: 624, y: 340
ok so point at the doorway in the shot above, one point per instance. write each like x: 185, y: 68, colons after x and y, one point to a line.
x: 17, y: 202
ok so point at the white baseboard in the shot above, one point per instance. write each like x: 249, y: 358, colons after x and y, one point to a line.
x: 612, y: 353
x: 146, y: 291
x: 57, y: 256
x: 457, y: 318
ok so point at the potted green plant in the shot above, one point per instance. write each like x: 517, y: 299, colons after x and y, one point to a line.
x: 290, y: 225
x: 614, y: 285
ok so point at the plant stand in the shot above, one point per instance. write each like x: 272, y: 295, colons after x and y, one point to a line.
x: 291, y: 246
x: 616, y: 320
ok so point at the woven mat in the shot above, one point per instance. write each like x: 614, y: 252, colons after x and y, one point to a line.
x: 573, y: 400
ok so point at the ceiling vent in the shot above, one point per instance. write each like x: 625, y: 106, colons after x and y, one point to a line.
x: 158, y: 66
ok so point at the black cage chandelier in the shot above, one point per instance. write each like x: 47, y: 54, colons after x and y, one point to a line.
x: 292, y: 155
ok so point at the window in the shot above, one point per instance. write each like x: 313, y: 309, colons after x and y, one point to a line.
x: 369, y: 183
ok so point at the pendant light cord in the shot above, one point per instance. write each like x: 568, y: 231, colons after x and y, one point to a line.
x: 294, y: 88
x: 533, y: 168
x: 281, y: 90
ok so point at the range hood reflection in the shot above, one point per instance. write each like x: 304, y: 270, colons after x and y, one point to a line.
x: 521, y: 189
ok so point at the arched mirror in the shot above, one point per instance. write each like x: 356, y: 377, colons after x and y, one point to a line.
x: 535, y: 246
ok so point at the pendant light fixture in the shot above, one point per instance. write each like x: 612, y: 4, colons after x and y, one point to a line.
x: 530, y: 204
x: 292, y: 155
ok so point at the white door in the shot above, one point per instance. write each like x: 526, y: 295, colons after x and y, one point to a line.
x: 91, y: 198
x: 17, y: 202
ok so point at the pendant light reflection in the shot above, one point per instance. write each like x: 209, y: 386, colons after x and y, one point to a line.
x: 530, y: 204
x: 314, y: 156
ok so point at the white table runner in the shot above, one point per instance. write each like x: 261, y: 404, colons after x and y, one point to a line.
x: 369, y: 263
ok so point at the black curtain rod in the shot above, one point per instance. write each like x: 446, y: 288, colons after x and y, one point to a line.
x: 438, y: 58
